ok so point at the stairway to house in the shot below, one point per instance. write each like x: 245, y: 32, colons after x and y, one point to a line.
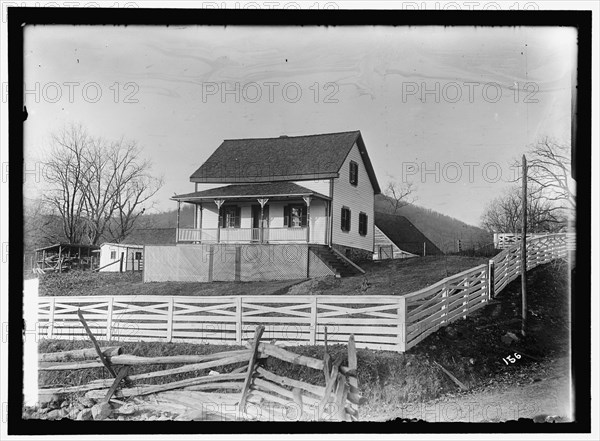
x: 337, y: 263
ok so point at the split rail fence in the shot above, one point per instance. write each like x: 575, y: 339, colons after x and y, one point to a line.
x: 378, y: 322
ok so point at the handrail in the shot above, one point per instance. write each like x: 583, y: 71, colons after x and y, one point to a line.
x: 348, y: 260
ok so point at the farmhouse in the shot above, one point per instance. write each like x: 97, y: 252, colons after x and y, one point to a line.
x: 276, y: 208
x: 397, y: 238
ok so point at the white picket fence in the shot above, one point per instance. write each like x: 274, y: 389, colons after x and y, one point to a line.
x: 378, y: 322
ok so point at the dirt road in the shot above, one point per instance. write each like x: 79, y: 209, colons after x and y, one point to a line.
x: 544, y: 391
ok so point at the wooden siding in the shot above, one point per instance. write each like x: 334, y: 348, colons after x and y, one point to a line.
x: 320, y: 186
x: 129, y: 261
x: 357, y: 198
x: 381, y: 240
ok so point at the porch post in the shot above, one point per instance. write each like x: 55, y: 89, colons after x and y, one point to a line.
x: 262, y: 202
x: 178, y: 212
x: 219, y: 203
x: 307, y: 201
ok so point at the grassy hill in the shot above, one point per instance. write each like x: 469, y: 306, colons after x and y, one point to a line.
x: 442, y: 230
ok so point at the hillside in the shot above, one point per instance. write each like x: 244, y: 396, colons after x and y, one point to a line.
x: 442, y: 230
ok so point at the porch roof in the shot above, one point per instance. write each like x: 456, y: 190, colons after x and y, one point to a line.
x: 279, y: 190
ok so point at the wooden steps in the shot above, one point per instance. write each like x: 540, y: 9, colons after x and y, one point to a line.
x: 341, y: 267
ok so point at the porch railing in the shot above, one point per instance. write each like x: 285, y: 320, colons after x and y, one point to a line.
x: 235, y: 235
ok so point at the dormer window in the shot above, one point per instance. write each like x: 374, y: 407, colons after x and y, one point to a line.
x: 353, y: 173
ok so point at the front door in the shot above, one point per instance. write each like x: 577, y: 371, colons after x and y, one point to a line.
x: 256, y: 223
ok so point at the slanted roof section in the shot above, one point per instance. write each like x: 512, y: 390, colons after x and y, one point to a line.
x: 286, y: 158
x: 69, y: 247
x: 243, y: 191
x: 404, y: 234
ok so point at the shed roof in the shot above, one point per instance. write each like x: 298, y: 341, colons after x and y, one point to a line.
x: 404, y: 234
x: 286, y: 158
x: 69, y: 246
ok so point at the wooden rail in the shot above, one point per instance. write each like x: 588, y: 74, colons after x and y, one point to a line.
x: 394, y: 323
x: 296, y: 320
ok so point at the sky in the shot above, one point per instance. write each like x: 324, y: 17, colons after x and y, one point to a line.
x: 446, y: 108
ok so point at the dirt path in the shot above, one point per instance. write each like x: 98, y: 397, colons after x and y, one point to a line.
x: 546, y: 393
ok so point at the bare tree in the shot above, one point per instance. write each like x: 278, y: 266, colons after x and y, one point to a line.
x: 64, y: 169
x: 399, y: 196
x: 549, y: 166
x: 503, y: 214
x: 99, y: 188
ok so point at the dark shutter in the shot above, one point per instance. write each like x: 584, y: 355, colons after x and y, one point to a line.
x: 238, y: 217
x: 286, y: 216
x: 303, y: 218
x: 348, y: 220
x: 353, y: 173
x: 221, y: 218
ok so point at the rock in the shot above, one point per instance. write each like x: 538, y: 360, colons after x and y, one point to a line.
x: 121, y: 418
x: 214, y: 373
x: 509, y: 338
x: 64, y: 404
x: 101, y: 411
x: 451, y: 332
x: 73, y: 414
x: 86, y: 402
x: 472, y: 360
x: 127, y: 409
x: 85, y: 415
x: 55, y: 414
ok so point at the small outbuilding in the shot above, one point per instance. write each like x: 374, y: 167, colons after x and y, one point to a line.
x: 129, y: 255
x: 397, y: 238
x: 62, y: 257
x: 119, y: 257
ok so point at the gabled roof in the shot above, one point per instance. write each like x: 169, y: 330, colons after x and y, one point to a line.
x: 404, y: 234
x: 270, y: 189
x: 286, y: 158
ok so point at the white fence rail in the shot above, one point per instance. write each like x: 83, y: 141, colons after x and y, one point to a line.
x: 378, y: 322
x: 294, y: 320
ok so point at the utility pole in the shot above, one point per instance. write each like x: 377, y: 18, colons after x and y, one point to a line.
x: 524, y: 251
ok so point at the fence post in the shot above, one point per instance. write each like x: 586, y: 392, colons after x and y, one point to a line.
x: 51, y: 318
x: 170, y: 315
x: 109, y: 314
x: 238, y: 320
x: 490, y: 275
x: 313, y: 321
x: 402, y: 325
x: 445, y: 302
x: 466, y: 298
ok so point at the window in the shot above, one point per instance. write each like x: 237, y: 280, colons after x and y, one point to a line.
x: 294, y: 216
x: 138, y: 255
x: 353, y: 173
x: 362, y: 224
x: 345, y: 219
x: 231, y: 217
x: 113, y: 254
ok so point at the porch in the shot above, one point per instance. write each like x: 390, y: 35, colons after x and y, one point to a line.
x: 268, y: 213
